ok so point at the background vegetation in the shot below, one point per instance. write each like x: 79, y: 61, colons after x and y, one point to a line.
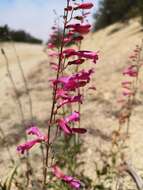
x: 111, y: 11
x: 7, y: 34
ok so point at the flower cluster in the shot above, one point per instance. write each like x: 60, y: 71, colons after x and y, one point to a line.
x: 129, y: 86
x: 33, y: 130
x: 66, y: 87
x: 73, y: 183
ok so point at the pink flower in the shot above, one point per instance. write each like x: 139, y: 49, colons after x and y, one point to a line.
x: 29, y: 144
x: 83, y: 75
x: 63, y: 123
x: 84, y: 6
x: 73, y: 117
x: 68, y: 51
x: 131, y: 71
x: 80, y: 28
x: 51, y: 46
x: 88, y: 55
x: 83, y: 54
x: 67, y: 39
x: 73, y: 183
x: 53, y: 53
x: 69, y: 100
x: 35, y: 131
x: 71, y: 83
x: 61, y: 93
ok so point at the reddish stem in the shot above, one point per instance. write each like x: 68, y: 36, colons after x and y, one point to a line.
x: 54, y: 99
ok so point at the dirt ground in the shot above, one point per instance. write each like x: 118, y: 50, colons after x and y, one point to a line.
x: 114, y: 44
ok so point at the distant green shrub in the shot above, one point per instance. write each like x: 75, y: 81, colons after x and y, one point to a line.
x: 111, y: 11
x: 7, y: 34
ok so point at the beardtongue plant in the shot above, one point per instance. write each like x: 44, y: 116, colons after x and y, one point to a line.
x: 130, y: 88
x: 65, y: 86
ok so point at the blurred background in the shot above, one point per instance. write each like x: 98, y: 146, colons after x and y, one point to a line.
x: 117, y: 27
x: 36, y: 17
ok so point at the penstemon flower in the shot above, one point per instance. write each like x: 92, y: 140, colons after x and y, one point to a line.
x: 66, y: 87
x: 84, y: 6
x: 63, y: 123
x: 29, y: 144
x: 74, y: 183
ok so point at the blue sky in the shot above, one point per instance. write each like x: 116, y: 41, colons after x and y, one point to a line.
x: 34, y: 16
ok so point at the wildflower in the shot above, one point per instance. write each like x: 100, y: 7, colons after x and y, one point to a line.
x: 63, y: 123
x: 73, y: 183
x: 67, y: 39
x: 83, y: 54
x: 53, y: 53
x: 88, y: 55
x: 80, y: 28
x: 71, y: 83
x: 69, y: 100
x: 68, y: 52
x: 51, y: 45
x: 29, y: 144
x: 131, y: 71
x: 84, y: 6
x: 61, y: 93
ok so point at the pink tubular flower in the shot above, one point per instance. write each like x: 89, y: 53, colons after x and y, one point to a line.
x: 131, y: 71
x: 88, y: 55
x: 73, y: 117
x: 51, y: 46
x: 61, y: 93
x: 71, y: 83
x: 29, y: 144
x: 68, y: 52
x: 69, y: 100
x: 73, y: 183
x: 84, y: 54
x: 80, y: 28
x: 53, y: 53
x: 63, y: 124
x: 84, y: 6
x: 67, y: 39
